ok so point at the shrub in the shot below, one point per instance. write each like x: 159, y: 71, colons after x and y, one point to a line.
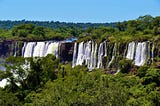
x: 125, y: 65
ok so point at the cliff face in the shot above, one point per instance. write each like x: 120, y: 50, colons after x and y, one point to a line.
x: 19, y: 48
x: 66, y: 51
x: 108, y: 54
x: 6, y: 48
x: 10, y: 48
x: 94, y: 55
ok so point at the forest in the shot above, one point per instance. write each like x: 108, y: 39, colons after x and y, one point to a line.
x: 46, y: 81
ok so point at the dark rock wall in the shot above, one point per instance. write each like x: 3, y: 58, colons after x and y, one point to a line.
x: 10, y: 48
x: 66, y: 51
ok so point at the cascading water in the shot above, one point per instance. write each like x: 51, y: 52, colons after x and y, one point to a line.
x: 23, y: 48
x: 74, y: 55
x: 39, y: 49
x: 140, y: 56
x: 15, y: 50
x: 130, y: 52
x: 89, y: 52
x: 29, y: 49
x: 142, y: 52
x: 46, y: 48
x: 80, y: 55
x: 95, y: 57
x: 91, y: 66
x: 87, y: 55
x: 52, y: 49
x: 100, y: 54
x: 105, y: 48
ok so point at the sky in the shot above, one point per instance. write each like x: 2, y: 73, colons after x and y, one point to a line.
x: 95, y: 11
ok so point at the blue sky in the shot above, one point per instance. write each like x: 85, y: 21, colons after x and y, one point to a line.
x: 77, y: 10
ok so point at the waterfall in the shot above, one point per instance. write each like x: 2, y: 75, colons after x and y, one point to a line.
x: 130, y: 52
x: 100, y: 54
x: 92, y: 55
x: 74, y: 55
x: 142, y: 52
x: 87, y: 55
x: 113, y: 55
x: 95, y: 56
x: 91, y: 65
x: 105, y: 48
x: 46, y: 48
x: 80, y: 55
x: 29, y: 49
x: 52, y: 49
x: 143, y: 55
x: 140, y: 57
x: 39, y: 49
x: 15, y: 50
x: 23, y: 48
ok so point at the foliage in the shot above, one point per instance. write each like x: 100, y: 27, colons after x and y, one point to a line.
x: 46, y: 81
x: 8, y: 99
x: 49, y: 82
x: 125, y: 65
x: 143, y: 28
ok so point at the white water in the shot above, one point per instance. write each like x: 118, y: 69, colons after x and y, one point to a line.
x: 130, y: 52
x: 105, y: 48
x: 29, y: 49
x: 87, y: 55
x: 46, y: 48
x: 39, y: 49
x: 15, y: 50
x: 23, y: 48
x: 87, y: 52
x: 95, y: 57
x: 74, y: 55
x: 52, y: 49
x: 80, y: 55
x: 140, y: 57
x: 90, y: 67
x: 100, y: 54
